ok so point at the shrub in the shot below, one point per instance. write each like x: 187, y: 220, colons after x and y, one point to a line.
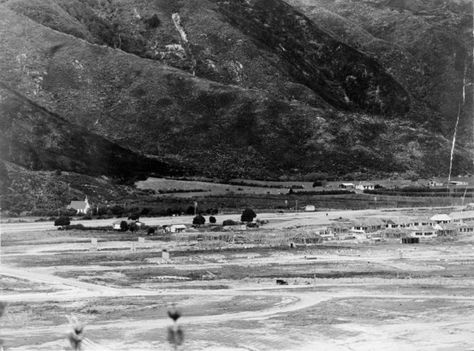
x: 229, y: 222
x: 133, y: 227
x: 248, y: 215
x: 150, y: 231
x: 62, y: 221
x: 68, y: 213
x: 153, y: 21
x: 199, y: 220
x: 212, y: 220
x: 123, y: 226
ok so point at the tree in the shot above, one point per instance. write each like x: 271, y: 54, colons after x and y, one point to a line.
x: 212, y: 220
x: 62, y: 221
x: 123, y: 226
x: 248, y: 215
x: 133, y: 227
x: 199, y: 220
x: 229, y: 222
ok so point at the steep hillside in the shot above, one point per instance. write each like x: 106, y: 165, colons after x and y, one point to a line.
x: 44, y: 192
x: 224, y: 88
x: 38, y: 139
x: 425, y: 44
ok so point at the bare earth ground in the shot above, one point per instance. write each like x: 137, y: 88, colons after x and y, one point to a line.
x: 339, y: 297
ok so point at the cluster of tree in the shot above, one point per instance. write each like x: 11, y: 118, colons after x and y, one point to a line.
x: 120, y: 211
x: 131, y: 226
x: 200, y: 220
x: 247, y: 216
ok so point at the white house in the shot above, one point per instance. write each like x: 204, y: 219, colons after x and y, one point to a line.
x: 367, y: 225
x: 177, y: 228
x: 434, y: 184
x: 366, y: 186
x: 465, y: 228
x: 457, y: 183
x: 423, y: 232
x: 463, y: 216
x: 310, y: 208
x: 441, y: 219
x: 346, y: 185
x: 80, y: 206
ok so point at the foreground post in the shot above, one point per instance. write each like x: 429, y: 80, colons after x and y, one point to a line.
x: 175, y: 333
x: 3, y: 306
x: 76, y: 336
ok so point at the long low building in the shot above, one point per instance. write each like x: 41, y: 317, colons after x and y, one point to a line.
x: 462, y: 216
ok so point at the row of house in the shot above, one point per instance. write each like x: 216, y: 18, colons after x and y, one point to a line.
x: 436, y: 184
x: 360, y: 186
x: 438, y: 225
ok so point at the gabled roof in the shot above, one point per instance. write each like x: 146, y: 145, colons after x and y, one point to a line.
x: 462, y: 214
x: 440, y: 217
x: 425, y: 228
x: 399, y: 220
x: 449, y: 226
x: 78, y: 205
x: 370, y: 221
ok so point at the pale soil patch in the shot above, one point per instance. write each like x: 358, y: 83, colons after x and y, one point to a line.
x: 343, y: 298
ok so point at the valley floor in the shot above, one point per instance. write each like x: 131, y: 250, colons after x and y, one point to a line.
x: 338, y: 297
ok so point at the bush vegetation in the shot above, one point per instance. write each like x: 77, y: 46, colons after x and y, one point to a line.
x: 199, y: 220
x: 62, y: 221
x: 248, y: 215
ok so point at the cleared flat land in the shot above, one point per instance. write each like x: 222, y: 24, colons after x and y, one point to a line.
x: 339, y: 297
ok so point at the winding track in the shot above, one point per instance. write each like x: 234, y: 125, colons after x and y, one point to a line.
x: 293, y: 299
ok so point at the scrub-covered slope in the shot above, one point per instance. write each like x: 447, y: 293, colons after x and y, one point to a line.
x: 224, y: 88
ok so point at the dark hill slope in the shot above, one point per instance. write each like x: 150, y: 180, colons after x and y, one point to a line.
x: 299, y: 51
x: 35, y: 138
x: 342, y: 75
x: 202, y: 121
x: 426, y: 45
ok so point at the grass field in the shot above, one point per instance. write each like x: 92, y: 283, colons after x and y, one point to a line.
x: 231, y: 197
x: 259, y: 187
